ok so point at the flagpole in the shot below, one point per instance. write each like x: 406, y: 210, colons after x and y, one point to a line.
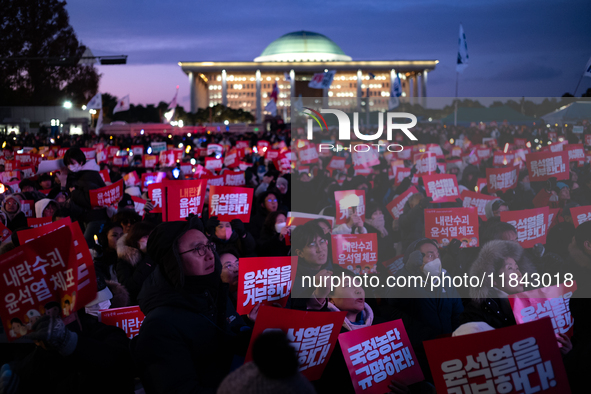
x: 456, y: 100
x: 580, y: 79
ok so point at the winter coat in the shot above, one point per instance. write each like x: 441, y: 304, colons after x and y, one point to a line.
x: 271, y: 245
x: 88, y: 178
x: 15, y: 220
x: 412, y: 224
x: 489, y: 304
x: 133, y: 267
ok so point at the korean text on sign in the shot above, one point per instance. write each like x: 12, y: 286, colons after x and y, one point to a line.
x: 229, y: 203
x: 530, y: 224
x: 441, y: 188
x: 545, y: 165
x: 356, y: 252
x: 445, y: 224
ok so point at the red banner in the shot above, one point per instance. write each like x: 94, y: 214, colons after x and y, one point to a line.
x: 580, y: 215
x: 228, y: 202
x: 182, y: 198
x: 378, y: 354
x: 396, y: 206
x: 356, y: 252
x: 545, y: 165
x: 149, y: 161
x: 552, y: 302
x: 213, y: 164
x: 234, y: 179
x: 444, y: 224
x: 477, y: 200
x: 38, y: 222
x: 57, y: 267
x: 155, y: 195
x: 501, y: 179
x: 441, y: 187
x: 518, y: 359
x: 108, y: 195
x: 347, y: 202
x: 312, y: 334
x: 530, y: 224
x: 266, y: 280
x: 426, y: 163
x: 129, y: 319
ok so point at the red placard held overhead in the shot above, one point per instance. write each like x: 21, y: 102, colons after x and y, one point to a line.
x: 56, y: 267
x: 426, y: 163
x: 213, y: 164
x: 138, y: 205
x: 155, y: 195
x: 530, y: 224
x: 266, y: 280
x: 215, y: 180
x: 129, y: 319
x: 262, y: 147
x: 229, y: 202
x: 105, y: 176
x: 303, y: 329
x: 108, y: 195
x: 131, y: 179
x: 580, y: 214
x: 364, y: 158
x: 356, y: 252
x: 112, y: 151
x: 444, y: 224
x: 182, y: 198
x: 576, y: 153
x: 518, y: 359
x: 272, y: 154
x: 149, y: 161
x: 552, y: 302
x: 396, y: 206
x: 349, y: 202
x: 337, y: 163
x: 378, y: 354
x: 308, y: 154
x: 545, y: 165
x: 232, y: 159
x: 477, y: 200
x: 441, y: 187
x: 501, y: 179
x: 501, y: 159
x: 216, y: 149
x: 588, y: 139
x: 234, y: 179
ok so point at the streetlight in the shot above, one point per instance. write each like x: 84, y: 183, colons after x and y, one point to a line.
x: 67, y: 104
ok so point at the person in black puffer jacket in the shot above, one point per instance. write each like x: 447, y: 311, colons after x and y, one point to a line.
x: 191, y: 330
x: 272, y: 242
x: 232, y: 234
x: 133, y: 264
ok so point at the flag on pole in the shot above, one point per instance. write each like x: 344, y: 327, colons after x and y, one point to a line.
x: 275, y: 92
x: 395, y: 92
x: 322, y: 80
x: 298, y: 105
x: 172, y: 107
x: 286, y: 77
x: 587, y: 72
x: 122, y: 105
x: 96, y: 102
x: 328, y: 77
x: 99, y: 123
x: 172, y: 104
x: 372, y: 76
x: 271, y: 107
x: 462, y: 52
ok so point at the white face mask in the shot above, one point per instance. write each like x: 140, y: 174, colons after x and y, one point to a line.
x: 74, y: 167
x: 279, y: 226
x: 94, y: 309
x: 433, y: 267
x: 143, y: 244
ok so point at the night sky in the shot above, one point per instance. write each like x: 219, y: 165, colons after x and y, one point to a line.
x: 516, y: 47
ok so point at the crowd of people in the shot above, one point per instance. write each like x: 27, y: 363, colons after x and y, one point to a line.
x: 184, y: 274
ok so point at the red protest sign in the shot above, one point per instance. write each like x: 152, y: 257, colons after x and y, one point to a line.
x: 309, y: 154
x: 378, y: 354
x: 426, y: 163
x: 272, y: 154
x: 101, y: 156
x: 138, y: 204
x: 216, y: 149
x: 477, y: 200
x: 23, y: 159
x: 364, y: 159
x: 108, y: 195
x: 112, y: 151
x: 167, y: 158
x: 349, y: 202
x: 519, y: 142
x: 229, y: 202
x: 531, y: 225
x: 213, y: 164
x: 262, y: 147
x: 501, y: 179
x: 57, y: 267
x: 28, y: 208
x: 89, y: 153
x: 149, y: 161
x: 552, y: 218
x: 28, y: 172
x: 522, y: 358
x: 312, y: 334
x: 182, y: 198
x: 396, y: 206
x: 552, y: 302
x: 483, y: 152
x: 266, y: 280
x: 545, y: 165
x: 155, y: 195
x: 234, y: 179
x: 242, y: 144
x: 39, y: 222
x: 5, y: 233
x: 441, y: 187
x: 25, y: 236
x: 105, y: 176
x: 588, y: 139
x: 131, y: 179
x: 151, y: 177
x: 576, y: 153
x: 121, y: 161
x: 215, y: 180
x: 356, y: 252
x: 444, y: 224
x: 435, y: 148
x: 580, y: 214
x: 503, y: 159
x: 129, y: 319
x: 232, y: 159
x: 336, y: 163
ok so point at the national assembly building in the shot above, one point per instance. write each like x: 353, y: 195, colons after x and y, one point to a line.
x: 291, y: 61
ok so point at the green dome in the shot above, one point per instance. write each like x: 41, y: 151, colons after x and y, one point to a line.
x: 302, y: 46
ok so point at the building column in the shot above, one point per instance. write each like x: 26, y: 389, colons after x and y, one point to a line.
x: 292, y: 83
x: 424, y: 84
x: 193, y: 91
x: 415, y: 89
x: 359, y: 91
x: 224, y: 89
x: 258, y: 96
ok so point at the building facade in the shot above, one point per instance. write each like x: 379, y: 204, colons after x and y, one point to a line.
x: 291, y: 61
